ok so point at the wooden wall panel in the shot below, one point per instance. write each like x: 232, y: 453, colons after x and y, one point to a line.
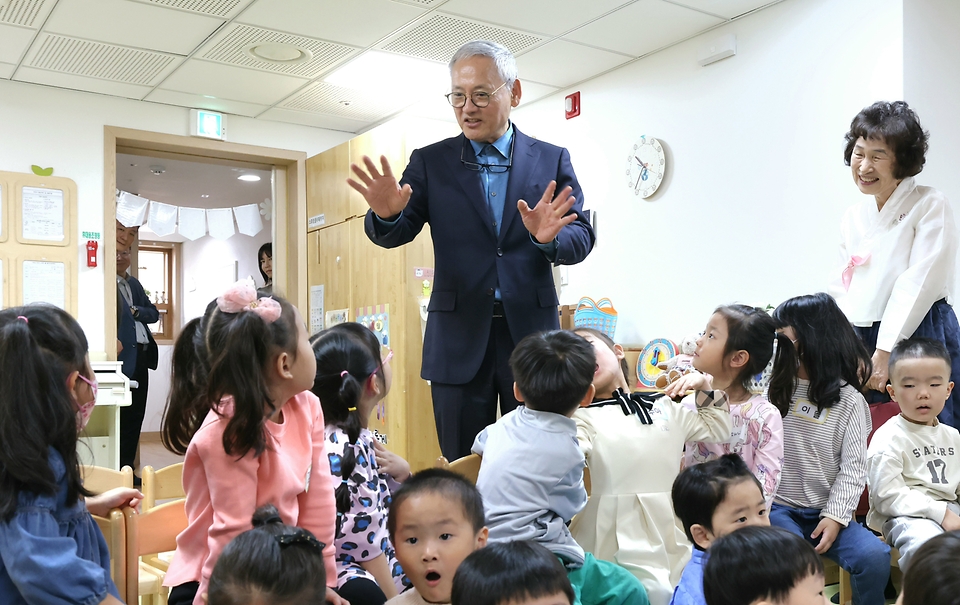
x: 327, y: 192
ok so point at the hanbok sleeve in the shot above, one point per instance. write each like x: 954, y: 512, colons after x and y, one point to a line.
x: 34, y: 553
x: 932, y: 258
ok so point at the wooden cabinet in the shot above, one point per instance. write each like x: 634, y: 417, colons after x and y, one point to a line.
x: 356, y: 273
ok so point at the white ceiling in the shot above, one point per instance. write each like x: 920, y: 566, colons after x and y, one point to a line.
x: 185, y: 182
x: 191, y: 53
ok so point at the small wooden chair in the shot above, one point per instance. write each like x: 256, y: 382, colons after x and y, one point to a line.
x: 164, y: 484
x: 149, y: 532
x: 113, y: 527
x: 469, y: 467
x: 99, y: 479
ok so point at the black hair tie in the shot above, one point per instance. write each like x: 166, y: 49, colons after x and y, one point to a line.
x: 300, y: 537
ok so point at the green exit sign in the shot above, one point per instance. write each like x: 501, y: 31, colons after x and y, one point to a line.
x: 207, y: 124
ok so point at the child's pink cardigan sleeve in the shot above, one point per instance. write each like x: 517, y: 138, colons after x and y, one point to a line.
x: 318, y: 509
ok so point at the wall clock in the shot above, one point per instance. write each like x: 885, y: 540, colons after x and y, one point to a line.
x: 646, y: 164
x: 653, y: 354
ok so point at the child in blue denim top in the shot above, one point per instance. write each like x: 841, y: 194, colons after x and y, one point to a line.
x: 51, y: 550
x: 712, y: 500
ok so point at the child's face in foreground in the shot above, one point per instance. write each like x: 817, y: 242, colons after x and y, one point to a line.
x: 808, y: 591
x: 921, y: 386
x: 433, y: 537
x: 743, y: 505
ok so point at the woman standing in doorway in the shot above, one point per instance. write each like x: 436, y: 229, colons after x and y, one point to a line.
x: 265, y: 256
x: 899, y: 247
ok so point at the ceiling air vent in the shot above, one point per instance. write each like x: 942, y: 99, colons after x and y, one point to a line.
x: 277, y: 52
x: 215, y: 8
x: 97, y: 60
x: 438, y: 37
x: 22, y: 12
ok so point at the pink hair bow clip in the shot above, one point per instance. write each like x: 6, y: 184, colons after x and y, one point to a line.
x: 242, y: 296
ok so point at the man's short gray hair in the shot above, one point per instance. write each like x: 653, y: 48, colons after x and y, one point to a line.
x: 503, y: 58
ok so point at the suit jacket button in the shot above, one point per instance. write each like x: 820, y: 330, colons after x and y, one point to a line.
x: 499, y: 252
x: 490, y: 292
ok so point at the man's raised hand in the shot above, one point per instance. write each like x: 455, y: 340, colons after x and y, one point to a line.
x: 383, y: 194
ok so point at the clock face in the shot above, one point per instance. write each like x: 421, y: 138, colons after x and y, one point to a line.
x: 645, y: 166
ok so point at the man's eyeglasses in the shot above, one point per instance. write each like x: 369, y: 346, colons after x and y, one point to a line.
x: 479, y: 99
x: 494, y: 168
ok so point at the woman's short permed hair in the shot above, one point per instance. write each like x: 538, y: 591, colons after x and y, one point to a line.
x: 509, y: 572
x: 899, y: 127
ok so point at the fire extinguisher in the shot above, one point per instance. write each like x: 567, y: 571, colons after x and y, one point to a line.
x: 92, y: 246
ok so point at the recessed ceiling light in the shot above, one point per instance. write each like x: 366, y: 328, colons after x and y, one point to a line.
x: 276, y: 52
x: 249, y: 177
x: 204, y: 195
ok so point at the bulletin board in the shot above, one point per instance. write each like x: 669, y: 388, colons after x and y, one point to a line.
x: 38, y: 233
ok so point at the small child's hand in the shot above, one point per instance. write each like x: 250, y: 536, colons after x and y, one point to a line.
x: 827, y: 530
x: 951, y: 521
x: 695, y: 381
x: 390, y: 463
x: 115, y: 498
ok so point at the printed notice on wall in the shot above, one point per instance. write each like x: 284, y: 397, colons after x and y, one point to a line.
x: 316, y: 308
x: 44, y: 281
x: 42, y: 214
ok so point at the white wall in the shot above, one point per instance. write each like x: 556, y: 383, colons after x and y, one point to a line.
x: 64, y: 129
x: 750, y: 207
x: 931, y: 85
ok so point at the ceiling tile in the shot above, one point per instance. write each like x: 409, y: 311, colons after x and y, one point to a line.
x: 57, y: 53
x: 562, y: 63
x: 6, y: 70
x: 29, y: 13
x: 214, y: 8
x: 171, y: 97
x: 643, y: 27
x: 356, y: 22
x: 228, y: 82
x: 317, y: 120
x: 233, y: 43
x: 438, y: 36
x: 725, y: 8
x: 132, y: 24
x: 550, y: 17
x: 66, y: 80
x: 322, y: 97
x: 14, y: 41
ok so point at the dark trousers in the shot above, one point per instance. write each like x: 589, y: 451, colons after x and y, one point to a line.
x: 463, y: 410
x: 131, y: 416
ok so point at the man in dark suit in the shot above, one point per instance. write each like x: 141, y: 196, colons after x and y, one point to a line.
x: 493, y: 250
x: 138, y: 352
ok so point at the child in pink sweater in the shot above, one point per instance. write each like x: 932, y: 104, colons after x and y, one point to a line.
x: 251, y: 431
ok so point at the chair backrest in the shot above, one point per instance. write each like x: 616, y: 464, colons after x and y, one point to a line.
x: 164, y: 484
x: 151, y: 531
x: 469, y: 467
x: 99, y: 479
x: 113, y: 527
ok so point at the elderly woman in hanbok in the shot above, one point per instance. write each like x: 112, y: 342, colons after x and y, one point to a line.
x: 898, y: 247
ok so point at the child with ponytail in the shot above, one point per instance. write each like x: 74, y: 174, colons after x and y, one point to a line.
x: 351, y: 380
x: 252, y: 433
x: 51, y: 550
x: 738, y: 343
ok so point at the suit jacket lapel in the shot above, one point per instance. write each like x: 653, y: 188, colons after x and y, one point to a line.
x: 525, y: 157
x: 469, y: 179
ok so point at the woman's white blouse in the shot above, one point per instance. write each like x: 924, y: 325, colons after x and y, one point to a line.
x: 910, y: 252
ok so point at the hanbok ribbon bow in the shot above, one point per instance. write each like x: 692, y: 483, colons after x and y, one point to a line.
x: 633, y: 404
x: 242, y: 296
x: 855, y: 261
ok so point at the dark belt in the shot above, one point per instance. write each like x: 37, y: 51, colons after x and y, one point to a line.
x: 498, y: 308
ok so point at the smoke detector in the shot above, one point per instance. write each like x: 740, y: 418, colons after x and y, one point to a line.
x: 157, y: 169
x: 277, y: 52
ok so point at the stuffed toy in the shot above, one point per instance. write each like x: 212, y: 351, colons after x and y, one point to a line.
x: 675, y: 367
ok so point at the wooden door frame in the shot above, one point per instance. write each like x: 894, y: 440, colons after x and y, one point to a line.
x: 289, y: 207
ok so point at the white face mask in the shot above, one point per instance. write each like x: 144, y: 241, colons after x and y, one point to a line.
x: 85, y: 410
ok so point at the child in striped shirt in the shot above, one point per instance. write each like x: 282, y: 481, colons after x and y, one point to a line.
x: 825, y: 444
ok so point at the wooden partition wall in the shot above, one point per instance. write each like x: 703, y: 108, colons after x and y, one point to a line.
x: 356, y: 274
